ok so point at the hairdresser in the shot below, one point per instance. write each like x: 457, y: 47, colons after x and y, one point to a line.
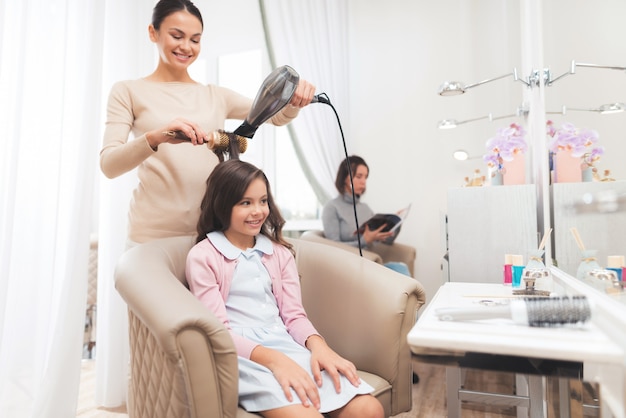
x: 172, y: 173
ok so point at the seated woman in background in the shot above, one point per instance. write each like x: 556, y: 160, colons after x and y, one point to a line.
x: 338, y: 214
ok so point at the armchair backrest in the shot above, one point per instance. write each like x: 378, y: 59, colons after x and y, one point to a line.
x: 380, y: 253
x: 318, y: 236
x: 363, y: 310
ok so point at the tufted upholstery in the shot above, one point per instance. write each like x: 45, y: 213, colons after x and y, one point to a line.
x: 183, y: 362
x: 380, y: 253
x: 89, y: 340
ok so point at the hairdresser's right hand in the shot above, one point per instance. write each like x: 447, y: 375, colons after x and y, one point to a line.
x: 187, y: 128
x: 289, y: 375
x: 371, y: 236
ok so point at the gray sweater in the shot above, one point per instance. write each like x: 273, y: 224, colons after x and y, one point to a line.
x: 338, y: 219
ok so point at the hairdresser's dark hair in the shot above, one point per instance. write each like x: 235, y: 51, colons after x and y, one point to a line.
x: 343, y: 173
x: 164, y: 8
x: 225, y: 187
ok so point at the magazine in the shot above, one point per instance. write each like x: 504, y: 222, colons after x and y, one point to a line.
x: 392, y: 222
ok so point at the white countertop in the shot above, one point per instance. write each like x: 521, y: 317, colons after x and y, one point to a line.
x: 581, y: 342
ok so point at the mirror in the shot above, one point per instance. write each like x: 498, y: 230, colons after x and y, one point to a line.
x: 553, y: 34
x: 590, y: 33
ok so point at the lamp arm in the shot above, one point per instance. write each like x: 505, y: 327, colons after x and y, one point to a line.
x: 469, y: 86
x: 516, y: 78
x: 505, y: 116
x: 474, y: 119
x: 571, y: 71
x: 579, y: 109
x: 552, y: 80
x: 453, y: 123
x: 610, y: 67
x: 562, y: 112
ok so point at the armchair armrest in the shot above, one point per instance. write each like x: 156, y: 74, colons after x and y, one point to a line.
x: 397, y: 252
x: 179, y: 350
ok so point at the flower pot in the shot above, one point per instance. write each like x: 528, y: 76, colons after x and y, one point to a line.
x: 587, y: 174
x: 514, y: 171
x: 497, y: 178
x: 566, y: 168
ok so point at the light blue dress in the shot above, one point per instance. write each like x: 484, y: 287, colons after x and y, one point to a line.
x: 253, y: 313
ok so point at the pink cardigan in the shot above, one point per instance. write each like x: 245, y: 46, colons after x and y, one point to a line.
x: 210, y: 274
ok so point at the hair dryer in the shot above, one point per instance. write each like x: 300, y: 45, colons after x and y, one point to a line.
x: 275, y: 92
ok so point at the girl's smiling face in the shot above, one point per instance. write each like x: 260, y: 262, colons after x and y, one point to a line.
x: 248, y: 215
x: 178, y: 39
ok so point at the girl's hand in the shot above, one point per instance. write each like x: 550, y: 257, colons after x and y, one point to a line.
x: 303, y: 95
x: 324, y: 358
x: 289, y: 375
x: 167, y: 134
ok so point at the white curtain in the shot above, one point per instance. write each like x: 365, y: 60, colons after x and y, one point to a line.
x: 50, y: 63
x: 127, y: 54
x: 312, y: 37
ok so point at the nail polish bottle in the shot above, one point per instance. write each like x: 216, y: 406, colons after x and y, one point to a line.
x: 616, y: 263
x: 517, y: 268
x: 508, y: 271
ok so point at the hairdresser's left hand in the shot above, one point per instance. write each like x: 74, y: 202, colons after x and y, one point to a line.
x: 303, y: 95
x: 324, y: 358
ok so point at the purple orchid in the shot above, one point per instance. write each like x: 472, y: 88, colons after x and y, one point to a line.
x: 507, y: 143
x: 568, y: 137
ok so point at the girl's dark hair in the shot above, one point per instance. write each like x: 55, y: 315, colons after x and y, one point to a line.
x: 225, y: 187
x: 343, y: 173
x: 164, y: 8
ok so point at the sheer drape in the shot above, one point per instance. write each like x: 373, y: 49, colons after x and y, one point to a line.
x: 127, y: 54
x: 311, y: 36
x: 49, y: 65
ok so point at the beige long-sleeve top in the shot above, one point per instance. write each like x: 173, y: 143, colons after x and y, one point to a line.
x: 172, y: 180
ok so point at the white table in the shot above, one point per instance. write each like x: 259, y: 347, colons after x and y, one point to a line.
x: 571, y: 349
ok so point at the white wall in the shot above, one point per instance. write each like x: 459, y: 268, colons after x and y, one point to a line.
x: 402, y: 51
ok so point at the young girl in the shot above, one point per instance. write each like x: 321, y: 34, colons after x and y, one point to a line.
x: 244, y: 271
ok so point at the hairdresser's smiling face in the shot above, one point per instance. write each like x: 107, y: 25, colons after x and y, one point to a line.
x: 178, y: 40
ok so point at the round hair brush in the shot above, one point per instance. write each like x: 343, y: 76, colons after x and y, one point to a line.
x: 220, y: 142
x: 536, y: 312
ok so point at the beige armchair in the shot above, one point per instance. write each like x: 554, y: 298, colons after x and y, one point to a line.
x: 183, y: 361
x: 381, y: 253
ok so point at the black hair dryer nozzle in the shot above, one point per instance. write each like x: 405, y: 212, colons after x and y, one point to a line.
x: 275, y: 92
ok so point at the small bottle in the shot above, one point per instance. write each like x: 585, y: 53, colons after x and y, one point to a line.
x: 616, y: 263
x: 508, y: 271
x: 518, y: 268
x: 588, y: 262
x: 536, y: 268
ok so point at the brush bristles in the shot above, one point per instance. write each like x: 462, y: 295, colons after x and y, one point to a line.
x: 545, y: 312
x: 221, y: 141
